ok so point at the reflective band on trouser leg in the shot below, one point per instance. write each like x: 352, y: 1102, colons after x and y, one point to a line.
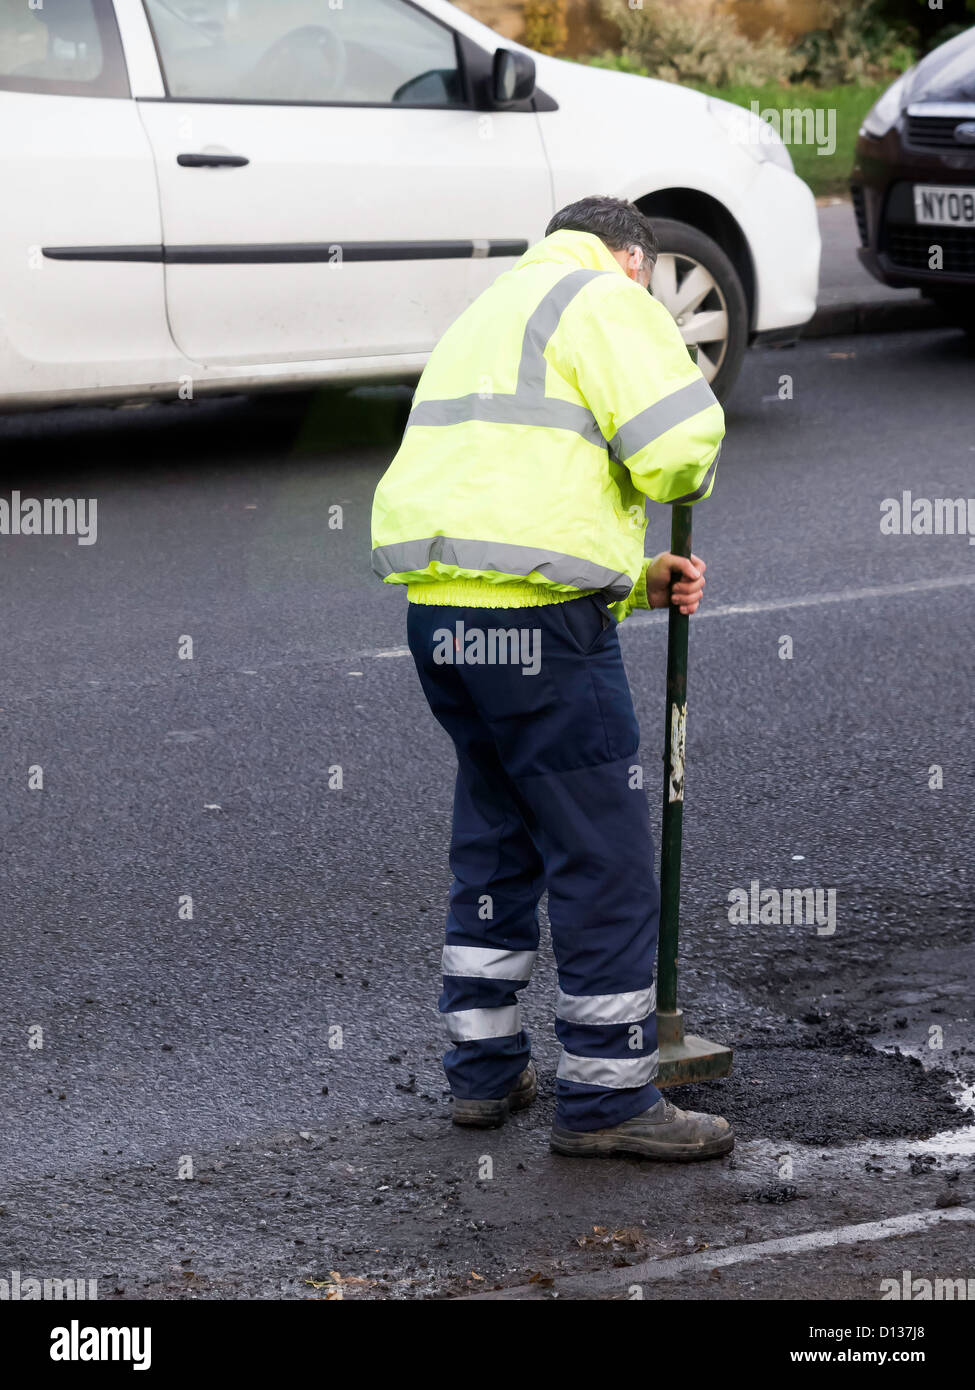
x: 491, y: 1048
x: 479, y: 963
x: 492, y: 924
x: 470, y: 1025
x: 610, y: 1045
x: 616, y: 1073
x: 609, y: 1040
x: 631, y: 1007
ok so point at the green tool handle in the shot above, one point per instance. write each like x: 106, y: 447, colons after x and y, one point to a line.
x: 673, y: 814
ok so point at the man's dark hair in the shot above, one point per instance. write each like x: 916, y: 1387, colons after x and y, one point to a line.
x: 615, y: 221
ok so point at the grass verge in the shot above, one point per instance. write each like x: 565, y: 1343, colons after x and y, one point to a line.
x: 843, y: 111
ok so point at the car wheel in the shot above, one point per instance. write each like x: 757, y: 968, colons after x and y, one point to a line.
x: 697, y: 282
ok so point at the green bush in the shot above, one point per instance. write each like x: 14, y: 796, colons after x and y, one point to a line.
x: 689, y: 42
x: 619, y: 62
x: 825, y: 174
x: 856, y: 45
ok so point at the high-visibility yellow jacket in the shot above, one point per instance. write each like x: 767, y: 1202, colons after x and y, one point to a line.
x: 550, y: 410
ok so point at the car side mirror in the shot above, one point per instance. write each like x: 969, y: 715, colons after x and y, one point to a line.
x: 513, y: 77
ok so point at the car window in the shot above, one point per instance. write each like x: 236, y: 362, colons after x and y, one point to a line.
x: 384, y: 52
x: 70, y: 47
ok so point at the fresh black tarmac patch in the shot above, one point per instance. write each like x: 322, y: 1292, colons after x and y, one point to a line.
x: 829, y: 1087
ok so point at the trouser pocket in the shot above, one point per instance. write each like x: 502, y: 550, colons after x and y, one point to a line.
x: 586, y: 619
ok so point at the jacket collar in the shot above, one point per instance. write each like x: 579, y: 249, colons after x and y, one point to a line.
x: 574, y: 250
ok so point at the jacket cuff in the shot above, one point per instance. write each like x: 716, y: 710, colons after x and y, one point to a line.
x: 636, y: 598
x: 639, y: 594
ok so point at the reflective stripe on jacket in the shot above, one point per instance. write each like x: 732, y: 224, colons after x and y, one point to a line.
x: 550, y: 410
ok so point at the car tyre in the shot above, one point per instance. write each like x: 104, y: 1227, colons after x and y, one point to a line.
x: 696, y: 280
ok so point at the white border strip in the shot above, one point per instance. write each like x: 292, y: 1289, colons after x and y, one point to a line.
x: 737, y: 610
x: 650, y: 1271
x: 910, y: 1224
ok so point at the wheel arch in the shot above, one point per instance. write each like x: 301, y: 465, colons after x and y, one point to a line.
x: 712, y: 218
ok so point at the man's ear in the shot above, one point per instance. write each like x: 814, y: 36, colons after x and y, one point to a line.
x: 644, y: 266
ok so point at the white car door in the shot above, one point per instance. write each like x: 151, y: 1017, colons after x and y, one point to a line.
x: 80, y: 308
x: 330, y: 185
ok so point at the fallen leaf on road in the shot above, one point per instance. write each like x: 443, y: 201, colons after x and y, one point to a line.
x: 336, y: 1282
x: 627, y: 1236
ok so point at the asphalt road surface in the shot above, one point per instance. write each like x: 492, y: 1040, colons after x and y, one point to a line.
x: 248, y: 1102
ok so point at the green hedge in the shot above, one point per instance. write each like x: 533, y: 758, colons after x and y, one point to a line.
x: 825, y: 174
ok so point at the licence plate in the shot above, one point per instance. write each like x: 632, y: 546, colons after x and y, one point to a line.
x: 950, y: 206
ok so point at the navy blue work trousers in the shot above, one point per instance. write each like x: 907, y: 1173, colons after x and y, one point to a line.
x: 549, y: 795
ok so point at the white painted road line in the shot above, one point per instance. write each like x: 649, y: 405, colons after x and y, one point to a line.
x: 642, y: 619
x: 650, y: 1271
x: 879, y: 591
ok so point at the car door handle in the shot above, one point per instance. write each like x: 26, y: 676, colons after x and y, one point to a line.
x: 211, y: 161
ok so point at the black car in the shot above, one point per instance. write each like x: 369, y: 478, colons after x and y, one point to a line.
x: 913, y: 181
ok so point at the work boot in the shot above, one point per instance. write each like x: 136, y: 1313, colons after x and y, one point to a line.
x: 662, y: 1132
x: 487, y: 1114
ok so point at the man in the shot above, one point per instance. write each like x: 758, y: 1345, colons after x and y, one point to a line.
x: 514, y: 510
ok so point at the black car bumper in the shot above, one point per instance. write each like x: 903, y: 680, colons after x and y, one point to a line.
x: 894, y: 247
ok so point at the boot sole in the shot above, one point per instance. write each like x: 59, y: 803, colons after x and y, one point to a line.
x: 473, y: 1119
x: 581, y: 1145
x: 498, y: 1111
